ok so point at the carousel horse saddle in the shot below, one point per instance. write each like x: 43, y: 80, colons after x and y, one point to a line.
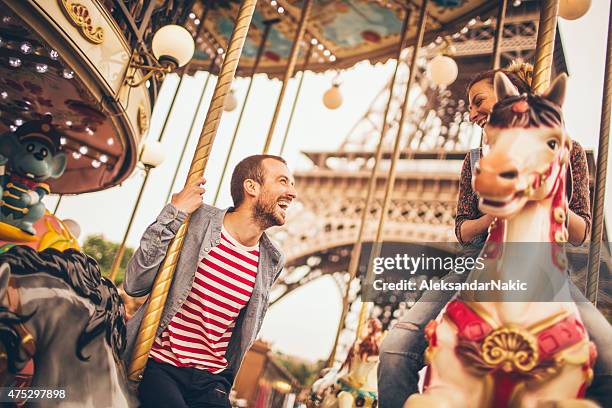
x: 514, y: 354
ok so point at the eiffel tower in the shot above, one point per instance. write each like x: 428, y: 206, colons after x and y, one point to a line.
x: 322, y: 227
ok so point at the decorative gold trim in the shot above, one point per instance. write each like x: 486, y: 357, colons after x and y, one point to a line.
x: 511, y: 349
x: 143, y: 119
x: 80, y: 17
x: 559, y: 215
x: 548, y: 322
x: 482, y: 312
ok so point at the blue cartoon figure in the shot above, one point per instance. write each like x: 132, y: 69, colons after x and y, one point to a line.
x: 28, y: 157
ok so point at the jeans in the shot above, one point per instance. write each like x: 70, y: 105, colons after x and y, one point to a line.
x: 164, y: 385
x: 401, y: 353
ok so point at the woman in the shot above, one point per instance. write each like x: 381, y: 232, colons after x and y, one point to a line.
x: 401, y: 353
x: 470, y: 224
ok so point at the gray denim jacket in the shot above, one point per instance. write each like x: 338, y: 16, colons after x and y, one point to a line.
x: 203, y: 233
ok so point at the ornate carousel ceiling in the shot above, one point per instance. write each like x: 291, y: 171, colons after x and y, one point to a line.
x: 34, y: 81
x: 341, y: 32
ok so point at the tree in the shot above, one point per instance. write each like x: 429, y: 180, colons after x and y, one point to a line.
x: 103, y: 251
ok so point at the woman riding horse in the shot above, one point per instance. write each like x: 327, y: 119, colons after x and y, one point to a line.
x: 402, y: 351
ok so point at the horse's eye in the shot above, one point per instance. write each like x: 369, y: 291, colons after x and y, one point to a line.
x: 552, y: 144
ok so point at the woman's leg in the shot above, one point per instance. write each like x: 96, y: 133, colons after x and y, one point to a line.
x: 401, y: 353
x: 600, y: 333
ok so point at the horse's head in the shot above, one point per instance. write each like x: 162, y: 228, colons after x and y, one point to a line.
x: 57, y: 308
x: 529, y: 149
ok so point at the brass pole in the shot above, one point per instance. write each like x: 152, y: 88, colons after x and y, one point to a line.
x: 377, y: 244
x: 600, y: 178
x: 299, y: 35
x: 157, y: 298
x: 545, y: 45
x: 356, y: 252
x: 296, y: 98
x: 262, y: 46
x: 191, y: 127
x: 57, y: 204
x: 121, y: 250
x: 499, y: 33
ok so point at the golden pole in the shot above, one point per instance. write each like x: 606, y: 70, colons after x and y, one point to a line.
x: 499, y: 32
x: 121, y: 250
x: 356, y: 252
x: 157, y: 298
x: 299, y: 35
x: 200, y: 104
x: 600, y: 178
x: 262, y: 46
x: 545, y: 45
x: 377, y: 244
x: 296, y: 98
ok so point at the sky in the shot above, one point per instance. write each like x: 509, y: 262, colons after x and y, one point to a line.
x: 304, y: 323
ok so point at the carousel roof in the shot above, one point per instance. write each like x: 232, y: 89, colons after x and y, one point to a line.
x: 341, y: 33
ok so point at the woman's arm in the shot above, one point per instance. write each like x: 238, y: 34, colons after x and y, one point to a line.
x: 580, y: 208
x: 469, y: 222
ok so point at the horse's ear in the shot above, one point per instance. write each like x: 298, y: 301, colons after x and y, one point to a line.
x: 504, y: 87
x: 556, y: 92
x: 5, y: 275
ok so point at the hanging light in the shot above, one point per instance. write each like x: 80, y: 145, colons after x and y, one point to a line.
x: 332, y: 98
x: 72, y: 226
x: 443, y: 70
x: 573, y: 9
x: 152, y: 154
x: 230, y: 102
x: 173, y: 44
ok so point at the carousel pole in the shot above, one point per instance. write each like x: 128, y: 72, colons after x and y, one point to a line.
x: 600, y: 178
x: 545, y: 45
x: 121, y: 250
x: 157, y: 298
x: 262, y: 46
x: 299, y: 35
x: 57, y: 204
x: 297, y: 95
x: 191, y: 127
x: 356, y: 252
x: 376, y: 247
x: 499, y: 33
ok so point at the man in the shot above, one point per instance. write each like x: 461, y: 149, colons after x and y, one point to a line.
x: 219, y: 294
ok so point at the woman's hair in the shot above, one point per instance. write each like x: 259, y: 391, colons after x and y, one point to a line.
x: 519, y: 73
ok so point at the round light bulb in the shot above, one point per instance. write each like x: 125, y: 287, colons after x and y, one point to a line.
x: 230, y: 102
x: 174, y: 44
x: 573, y: 9
x: 332, y: 98
x: 152, y: 154
x: 443, y: 70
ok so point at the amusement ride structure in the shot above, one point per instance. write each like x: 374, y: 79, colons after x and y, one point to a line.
x: 80, y: 77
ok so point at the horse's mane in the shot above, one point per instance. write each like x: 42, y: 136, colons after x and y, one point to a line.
x: 82, y: 274
x: 526, y: 111
x: 368, y: 346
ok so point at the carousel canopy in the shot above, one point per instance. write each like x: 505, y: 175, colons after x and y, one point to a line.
x: 341, y: 32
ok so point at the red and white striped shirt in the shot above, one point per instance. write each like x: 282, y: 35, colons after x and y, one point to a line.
x: 198, y: 335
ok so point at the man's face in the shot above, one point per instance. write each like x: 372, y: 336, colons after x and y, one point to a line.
x: 276, y: 194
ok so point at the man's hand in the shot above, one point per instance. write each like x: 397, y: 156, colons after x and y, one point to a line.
x: 190, y: 198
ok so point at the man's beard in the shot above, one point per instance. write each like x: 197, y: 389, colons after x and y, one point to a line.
x: 265, y: 212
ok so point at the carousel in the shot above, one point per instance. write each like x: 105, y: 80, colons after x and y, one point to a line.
x: 80, y: 79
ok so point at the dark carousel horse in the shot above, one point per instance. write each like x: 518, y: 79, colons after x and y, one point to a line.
x: 58, y: 310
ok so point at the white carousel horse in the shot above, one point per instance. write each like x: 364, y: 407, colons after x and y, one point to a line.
x: 357, y: 387
x: 58, y: 310
x: 495, y: 352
